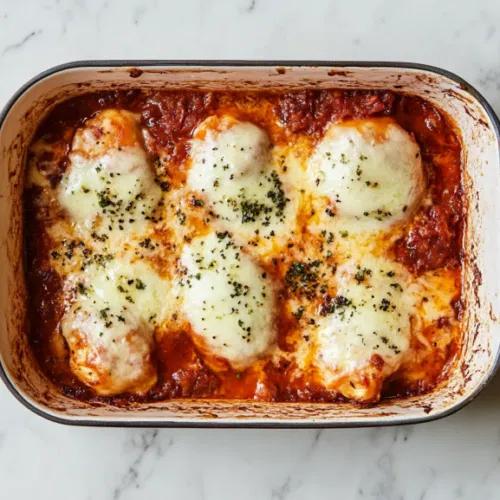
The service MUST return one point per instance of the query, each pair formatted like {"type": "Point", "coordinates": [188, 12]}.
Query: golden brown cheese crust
{"type": "Point", "coordinates": [428, 244]}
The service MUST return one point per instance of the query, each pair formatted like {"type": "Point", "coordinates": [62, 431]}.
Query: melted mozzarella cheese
{"type": "Point", "coordinates": [126, 286]}
{"type": "Point", "coordinates": [227, 145]}
{"type": "Point", "coordinates": [110, 325]}
{"type": "Point", "coordinates": [227, 299]}
{"type": "Point", "coordinates": [118, 362]}
{"type": "Point", "coordinates": [370, 170]}
{"type": "Point", "coordinates": [370, 316]}
{"type": "Point", "coordinates": [109, 187]}
{"type": "Point", "coordinates": [110, 129]}
{"type": "Point", "coordinates": [231, 167]}
{"type": "Point", "coordinates": [439, 289]}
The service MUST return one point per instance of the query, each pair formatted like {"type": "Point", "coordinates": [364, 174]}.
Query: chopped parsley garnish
{"type": "Point", "coordinates": [386, 305]}
{"type": "Point", "coordinates": [302, 278]}
{"type": "Point", "coordinates": [222, 235]}
{"type": "Point", "coordinates": [361, 274]}
{"type": "Point", "coordinates": [181, 216]}
{"type": "Point", "coordinates": [164, 186]}
{"type": "Point", "coordinates": [332, 304]}
{"type": "Point", "coordinates": [146, 243]}
{"type": "Point", "coordinates": [251, 210]}
{"type": "Point", "coordinates": [195, 202]}
{"type": "Point", "coordinates": [277, 195]}
{"type": "Point", "coordinates": [104, 199]}
{"type": "Point", "coordinates": [139, 284]}
{"type": "Point", "coordinates": [397, 286]}
{"type": "Point", "coordinates": [298, 313]}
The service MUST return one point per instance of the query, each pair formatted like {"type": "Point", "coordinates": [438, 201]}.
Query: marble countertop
{"type": "Point", "coordinates": [457, 457]}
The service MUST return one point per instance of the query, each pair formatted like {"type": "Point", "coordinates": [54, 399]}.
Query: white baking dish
{"type": "Point", "coordinates": [479, 129]}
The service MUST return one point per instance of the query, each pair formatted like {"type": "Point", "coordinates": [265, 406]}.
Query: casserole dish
{"type": "Point", "coordinates": [479, 130]}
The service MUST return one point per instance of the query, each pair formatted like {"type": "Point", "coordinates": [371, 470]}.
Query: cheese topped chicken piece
{"type": "Point", "coordinates": [109, 188]}
{"type": "Point", "coordinates": [110, 325]}
{"type": "Point", "coordinates": [231, 168]}
{"type": "Point", "coordinates": [370, 170]}
{"type": "Point", "coordinates": [228, 300]}
{"type": "Point", "coordinates": [364, 332]}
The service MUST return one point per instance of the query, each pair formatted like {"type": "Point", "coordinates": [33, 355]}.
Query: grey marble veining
{"type": "Point", "coordinates": [454, 458]}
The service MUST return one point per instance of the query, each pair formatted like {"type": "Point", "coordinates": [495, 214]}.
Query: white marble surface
{"type": "Point", "coordinates": [458, 457]}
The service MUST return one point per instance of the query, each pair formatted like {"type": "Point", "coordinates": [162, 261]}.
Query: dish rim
{"type": "Point", "coordinates": [133, 63]}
